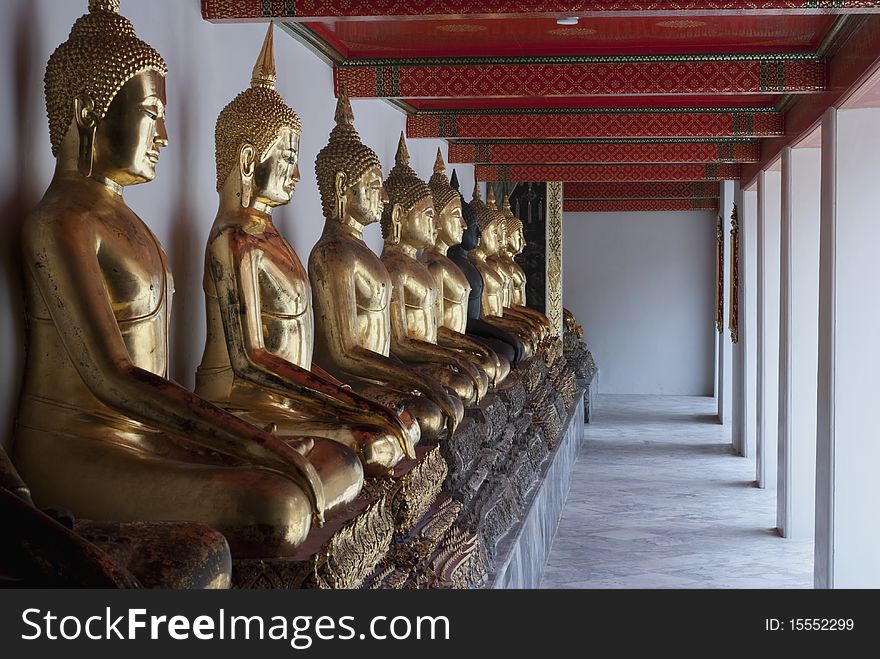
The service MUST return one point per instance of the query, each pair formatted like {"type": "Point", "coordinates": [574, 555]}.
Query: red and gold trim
{"type": "Point", "coordinates": [673, 190]}
{"type": "Point", "coordinates": [646, 123]}
{"type": "Point", "coordinates": [232, 10]}
{"type": "Point", "coordinates": [606, 173]}
{"type": "Point", "coordinates": [581, 76]}
{"type": "Point", "coordinates": [637, 205]}
{"type": "Point", "coordinates": [604, 152]}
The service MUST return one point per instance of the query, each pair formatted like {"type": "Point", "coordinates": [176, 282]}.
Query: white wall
{"type": "Point", "coordinates": [643, 286]}
{"type": "Point", "coordinates": [208, 65]}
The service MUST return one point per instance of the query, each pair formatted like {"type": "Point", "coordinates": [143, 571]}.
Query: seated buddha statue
{"type": "Point", "coordinates": [495, 286]}
{"type": "Point", "coordinates": [352, 288]}
{"type": "Point", "coordinates": [514, 243]}
{"type": "Point", "coordinates": [453, 289]}
{"type": "Point", "coordinates": [407, 227]}
{"type": "Point", "coordinates": [505, 344]}
{"type": "Point", "coordinates": [257, 362]}
{"type": "Point", "coordinates": [499, 261]}
{"type": "Point", "coordinates": [101, 430]}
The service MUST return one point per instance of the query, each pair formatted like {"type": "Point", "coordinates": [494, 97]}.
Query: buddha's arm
{"type": "Point", "coordinates": [63, 264]}
{"type": "Point", "coordinates": [412, 349]}
{"type": "Point", "coordinates": [538, 316]}
{"type": "Point", "coordinates": [351, 356]}
{"type": "Point", "coordinates": [458, 341]}
{"type": "Point", "coordinates": [237, 288]}
{"type": "Point", "coordinates": [534, 325]}
{"type": "Point", "coordinates": [483, 328]}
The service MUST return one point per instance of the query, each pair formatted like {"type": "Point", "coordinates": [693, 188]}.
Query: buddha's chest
{"type": "Point", "coordinates": [134, 269]}
{"type": "Point", "coordinates": [419, 292]}
{"type": "Point", "coordinates": [371, 282]}
{"type": "Point", "coordinates": [283, 284]}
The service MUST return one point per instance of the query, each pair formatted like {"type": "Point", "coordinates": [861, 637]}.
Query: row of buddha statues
{"type": "Point", "coordinates": [313, 380]}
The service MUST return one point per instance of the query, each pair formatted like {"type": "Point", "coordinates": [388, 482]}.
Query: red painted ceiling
{"type": "Point", "coordinates": [518, 36]}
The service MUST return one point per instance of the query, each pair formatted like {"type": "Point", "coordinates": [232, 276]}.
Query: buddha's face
{"type": "Point", "coordinates": [502, 235]}
{"type": "Point", "coordinates": [516, 241]}
{"type": "Point", "coordinates": [451, 225]}
{"type": "Point", "coordinates": [471, 236]}
{"type": "Point", "coordinates": [366, 198]}
{"type": "Point", "coordinates": [489, 238]}
{"type": "Point", "coordinates": [418, 225]}
{"type": "Point", "coordinates": [129, 137]}
{"type": "Point", "coordinates": [277, 172]}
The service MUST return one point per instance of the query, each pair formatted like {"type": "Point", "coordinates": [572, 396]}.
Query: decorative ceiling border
{"type": "Point", "coordinates": [230, 10]}
{"type": "Point", "coordinates": [606, 173]}
{"type": "Point", "coordinates": [639, 124]}
{"type": "Point", "coordinates": [637, 205]}
{"type": "Point", "coordinates": [607, 152]}
{"type": "Point", "coordinates": [643, 190]}
{"type": "Point", "coordinates": [806, 56]}
{"type": "Point", "coordinates": [450, 79]}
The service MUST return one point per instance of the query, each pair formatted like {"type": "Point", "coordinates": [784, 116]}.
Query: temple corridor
{"type": "Point", "coordinates": [659, 500]}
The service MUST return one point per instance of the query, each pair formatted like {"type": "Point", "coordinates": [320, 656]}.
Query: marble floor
{"type": "Point", "coordinates": [658, 500]}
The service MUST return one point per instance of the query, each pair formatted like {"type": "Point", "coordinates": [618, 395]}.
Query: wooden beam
{"type": "Point", "coordinates": [637, 205]}
{"type": "Point", "coordinates": [304, 10]}
{"type": "Point", "coordinates": [606, 173]}
{"type": "Point", "coordinates": [577, 76]}
{"type": "Point", "coordinates": [626, 123]}
{"type": "Point", "coordinates": [581, 151]}
{"type": "Point", "coordinates": [638, 190]}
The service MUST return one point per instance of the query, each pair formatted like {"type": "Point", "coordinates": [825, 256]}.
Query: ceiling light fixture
{"type": "Point", "coordinates": [570, 20]}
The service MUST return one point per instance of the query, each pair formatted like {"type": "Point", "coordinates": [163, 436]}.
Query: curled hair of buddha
{"type": "Point", "coordinates": [441, 188]}
{"type": "Point", "coordinates": [487, 213]}
{"type": "Point", "coordinates": [511, 221]}
{"type": "Point", "coordinates": [475, 206]}
{"type": "Point", "coordinates": [344, 153]}
{"type": "Point", "coordinates": [256, 116]}
{"type": "Point", "coordinates": [101, 54]}
{"type": "Point", "coordinates": [403, 186]}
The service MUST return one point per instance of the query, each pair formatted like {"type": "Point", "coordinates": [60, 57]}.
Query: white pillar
{"type": "Point", "coordinates": [740, 390]}
{"type": "Point", "coordinates": [798, 341]}
{"type": "Point", "coordinates": [848, 439]}
{"type": "Point", "coordinates": [767, 337]}
{"type": "Point", "coordinates": [725, 353]}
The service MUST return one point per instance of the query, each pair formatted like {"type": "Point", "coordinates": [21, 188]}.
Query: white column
{"type": "Point", "coordinates": [740, 402]}
{"type": "Point", "coordinates": [848, 439]}
{"type": "Point", "coordinates": [725, 353]}
{"type": "Point", "coordinates": [798, 341]}
{"type": "Point", "coordinates": [767, 337]}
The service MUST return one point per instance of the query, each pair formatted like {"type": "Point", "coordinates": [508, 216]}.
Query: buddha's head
{"type": "Point", "coordinates": [409, 217]}
{"type": "Point", "coordinates": [105, 98]}
{"type": "Point", "coordinates": [447, 205]}
{"type": "Point", "coordinates": [257, 140]}
{"type": "Point", "coordinates": [471, 237]}
{"type": "Point", "coordinates": [349, 173]}
{"type": "Point", "coordinates": [513, 228]}
{"type": "Point", "coordinates": [491, 225]}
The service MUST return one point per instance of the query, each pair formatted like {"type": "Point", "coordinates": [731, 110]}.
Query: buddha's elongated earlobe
{"type": "Point", "coordinates": [247, 158]}
{"type": "Point", "coordinates": [86, 126]}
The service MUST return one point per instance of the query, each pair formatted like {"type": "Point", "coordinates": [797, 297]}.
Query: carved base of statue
{"type": "Point", "coordinates": [340, 554]}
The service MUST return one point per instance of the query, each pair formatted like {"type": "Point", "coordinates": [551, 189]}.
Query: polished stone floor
{"type": "Point", "coordinates": [658, 500]}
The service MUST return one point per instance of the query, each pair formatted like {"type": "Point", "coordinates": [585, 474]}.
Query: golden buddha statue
{"type": "Point", "coordinates": [352, 288]}
{"type": "Point", "coordinates": [453, 288]}
{"type": "Point", "coordinates": [514, 243]}
{"type": "Point", "coordinates": [257, 362]}
{"type": "Point", "coordinates": [499, 261]}
{"type": "Point", "coordinates": [101, 430]}
{"type": "Point", "coordinates": [495, 286]}
{"type": "Point", "coordinates": [407, 227]}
